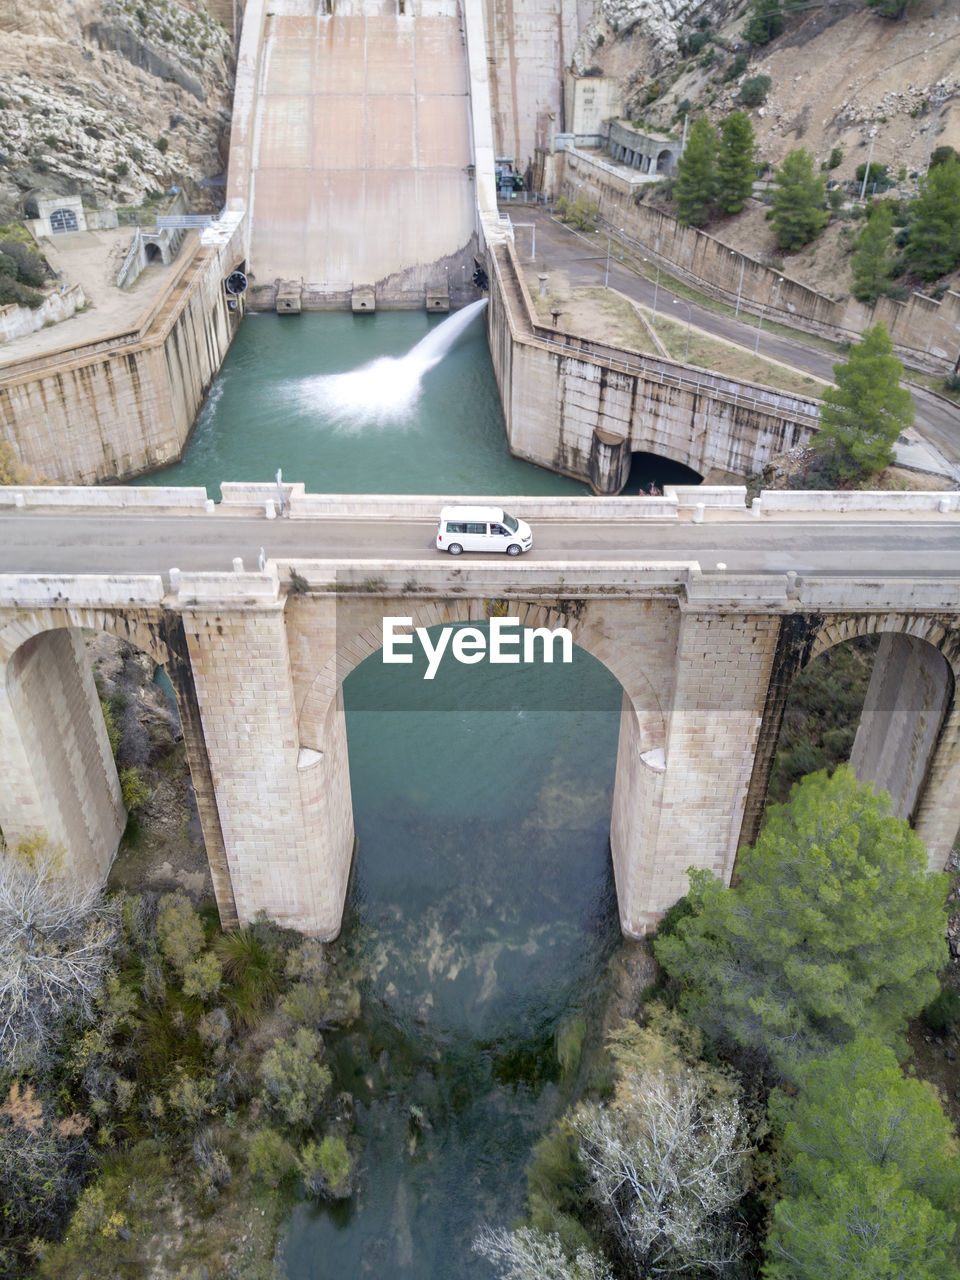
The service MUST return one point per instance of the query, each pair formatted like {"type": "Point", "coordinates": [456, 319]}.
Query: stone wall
{"type": "Point", "coordinates": [924, 331]}
{"type": "Point", "coordinates": [126, 403]}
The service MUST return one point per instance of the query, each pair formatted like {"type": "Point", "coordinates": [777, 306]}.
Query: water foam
{"type": "Point", "coordinates": [385, 390]}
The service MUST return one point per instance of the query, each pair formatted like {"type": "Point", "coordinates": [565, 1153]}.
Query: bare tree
{"type": "Point", "coordinates": [666, 1162]}
{"type": "Point", "coordinates": [56, 940]}
{"type": "Point", "coordinates": [525, 1254]}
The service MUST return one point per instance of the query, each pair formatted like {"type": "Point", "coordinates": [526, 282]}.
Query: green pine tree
{"type": "Point", "coordinates": [834, 928]}
{"type": "Point", "coordinates": [696, 184]}
{"type": "Point", "coordinates": [736, 162]}
{"type": "Point", "coordinates": [864, 413]}
{"type": "Point", "coordinates": [933, 244]}
{"type": "Point", "coordinates": [872, 261]}
{"type": "Point", "coordinates": [871, 1227]}
{"type": "Point", "coordinates": [798, 213]}
{"type": "Point", "coordinates": [871, 1173]}
{"type": "Point", "coordinates": [765, 22]}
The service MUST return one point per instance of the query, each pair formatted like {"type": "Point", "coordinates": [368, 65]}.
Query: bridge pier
{"type": "Point", "coordinates": [280, 805]}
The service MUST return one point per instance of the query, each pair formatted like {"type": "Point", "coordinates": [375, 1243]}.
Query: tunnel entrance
{"type": "Point", "coordinates": [648, 469]}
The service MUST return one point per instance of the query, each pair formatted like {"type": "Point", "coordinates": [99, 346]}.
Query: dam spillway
{"type": "Point", "coordinates": [352, 150]}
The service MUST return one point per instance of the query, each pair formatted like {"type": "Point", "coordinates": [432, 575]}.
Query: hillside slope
{"type": "Point", "coordinates": [111, 100]}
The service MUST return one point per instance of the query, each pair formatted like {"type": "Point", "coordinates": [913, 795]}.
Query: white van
{"type": "Point", "coordinates": [482, 529]}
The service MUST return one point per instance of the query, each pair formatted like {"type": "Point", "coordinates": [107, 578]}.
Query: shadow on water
{"type": "Point", "coordinates": [482, 914]}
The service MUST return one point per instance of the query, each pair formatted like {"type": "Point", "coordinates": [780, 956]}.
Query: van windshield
{"type": "Point", "coordinates": [510, 522]}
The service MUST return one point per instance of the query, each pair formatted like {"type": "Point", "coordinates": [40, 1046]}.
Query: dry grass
{"type": "Point", "coordinates": [603, 315]}
{"type": "Point", "coordinates": [734, 361]}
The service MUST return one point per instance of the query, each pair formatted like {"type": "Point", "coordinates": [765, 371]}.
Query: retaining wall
{"type": "Point", "coordinates": [923, 330]}
{"type": "Point", "coordinates": [126, 403]}
{"type": "Point", "coordinates": [581, 409]}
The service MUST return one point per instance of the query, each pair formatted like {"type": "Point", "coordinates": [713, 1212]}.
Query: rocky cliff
{"type": "Point", "coordinates": [112, 100]}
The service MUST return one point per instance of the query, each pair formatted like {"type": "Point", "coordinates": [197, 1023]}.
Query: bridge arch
{"type": "Point", "coordinates": [908, 739]}
{"type": "Point", "coordinates": [54, 748]}
{"type": "Point", "coordinates": [640, 765]}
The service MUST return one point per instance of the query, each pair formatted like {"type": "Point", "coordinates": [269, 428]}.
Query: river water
{"type": "Point", "coordinates": [481, 910]}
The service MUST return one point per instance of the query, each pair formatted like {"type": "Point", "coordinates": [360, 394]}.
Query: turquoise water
{"type": "Point", "coordinates": [482, 914]}
{"type": "Point", "coordinates": [267, 410]}
{"type": "Point", "coordinates": [481, 910]}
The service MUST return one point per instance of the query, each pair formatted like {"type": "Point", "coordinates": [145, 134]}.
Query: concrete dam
{"type": "Point", "coordinates": [352, 152]}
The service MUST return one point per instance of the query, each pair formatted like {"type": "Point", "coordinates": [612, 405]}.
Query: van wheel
{"type": "Point", "coordinates": [454, 548]}
{"type": "Point", "coordinates": [513, 549]}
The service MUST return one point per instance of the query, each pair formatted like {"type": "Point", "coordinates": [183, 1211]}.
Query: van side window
{"type": "Point", "coordinates": [498, 528]}
{"type": "Point", "coordinates": [456, 526]}
{"type": "Point", "coordinates": [473, 527]}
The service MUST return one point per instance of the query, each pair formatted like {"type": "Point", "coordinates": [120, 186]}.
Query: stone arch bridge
{"type": "Point", "coordinates": [258, 659]}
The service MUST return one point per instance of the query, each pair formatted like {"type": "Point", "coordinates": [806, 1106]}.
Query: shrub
{"type": "Point", "coordinates": [136, 793]}
{"type": "Point", "coordinates": [162, 145]}
{"type": "Point", "coordinates": [179, 930]}
{"type": "Point", "coordinates": [327, 1169]}
{"type": "Point", "coordinates": [56, 942]}
{"type": "Point", "coordinates": [31, 269]}
{"type": "Point", "coordinates": [836, 156]}
{"type": "Point", "coordinates": [202, 977]}
{"type": "Point", "coordinates": [737, 66]}
{"type": "Point", "coordinates": [294, 1082]}
{"type": "Point", "coordinates": [754, 90]}
{"type": "Point", "coordinates": [270, 1157]}
{"type": "Point", "coordinates": [12, 291]}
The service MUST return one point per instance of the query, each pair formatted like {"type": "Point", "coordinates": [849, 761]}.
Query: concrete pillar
{"type": "Point", "coordinates": [634, 823]}
{"type": "Point", "coordinates": [609, 461]}
{"type": "Point", "coordinates": [285, 855]}
{"type": "Point", "coordinates": [723, 669]}
{"type": "Point", "coordinates": [57, 774]}
{"type": "Point", "coordinates": [901, 719]}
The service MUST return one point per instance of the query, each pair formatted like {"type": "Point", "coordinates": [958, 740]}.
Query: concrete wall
{"type": "Point", "coordinates": [16, 321]}
{"type": "Point", "coordinates": [351, 151]}
{"type": "Point", "coordinates": [579, 408]}
{"type": "Point", "coordinates": [126, 403]}
{"type": "Point", "coordinates": [529, 46]}
{"type": "Point", "coordinates": [705, 663]}
{"type": "Point", "coordinates": [925, 331]}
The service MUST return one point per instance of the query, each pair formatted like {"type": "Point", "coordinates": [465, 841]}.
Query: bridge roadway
{"type": "Point", "coordinates": [925, 546]}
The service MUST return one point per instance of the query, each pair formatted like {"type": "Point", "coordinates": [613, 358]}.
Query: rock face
{"type": "Point", "coordinates": [112, 101]}
{"type": "Point", "coordinates": [652, 30]}
{"type": "Point", "coordinates": [841, 76]}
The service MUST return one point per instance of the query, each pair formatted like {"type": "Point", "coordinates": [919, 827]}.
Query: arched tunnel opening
{"type": "Point", "coordinates": [651, 469]}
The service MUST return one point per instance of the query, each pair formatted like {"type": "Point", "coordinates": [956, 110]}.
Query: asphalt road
{"type": "Point", "coordinates": [133, 544]}
{"type": "Point", "coordinates": [583, 259]}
